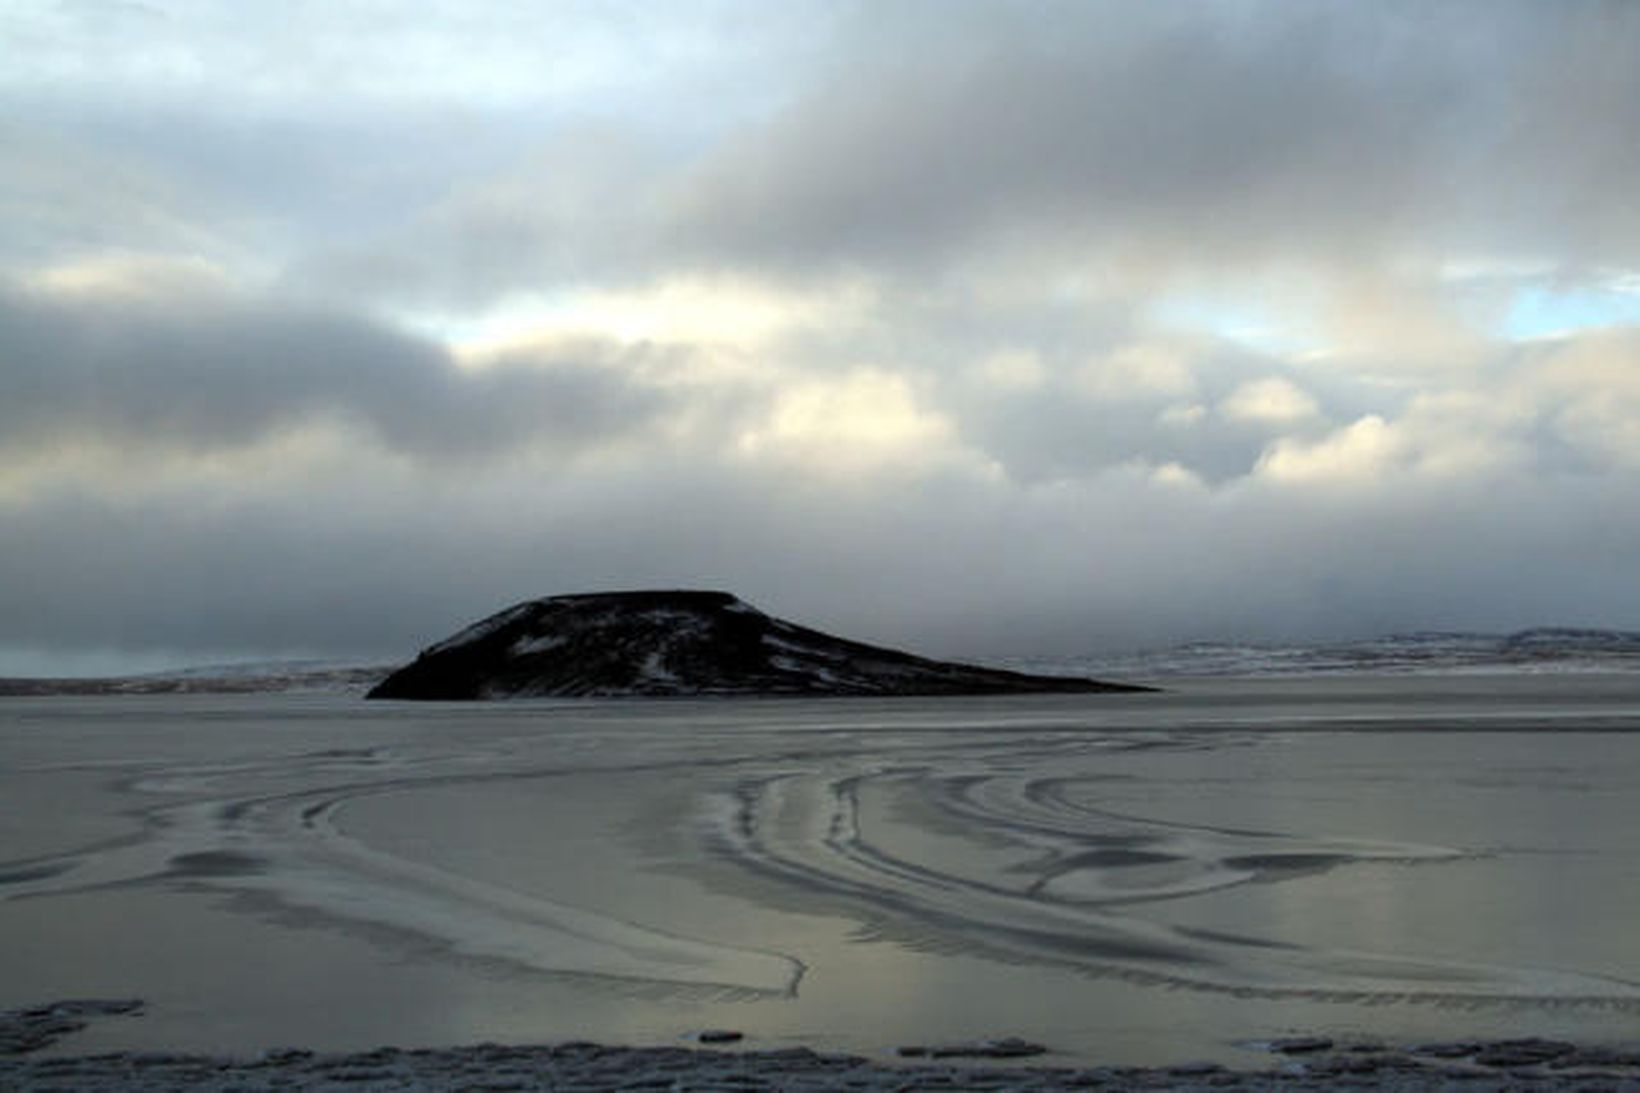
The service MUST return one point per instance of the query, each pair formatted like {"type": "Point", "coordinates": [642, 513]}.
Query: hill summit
{"type": "Point", "coordinates": [678, 642]}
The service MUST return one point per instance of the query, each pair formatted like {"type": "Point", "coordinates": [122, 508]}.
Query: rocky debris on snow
{"type": "Point", "coordinates": [1009, 1047]}
{"type": "Point", "coordinates": [719, 1036]}
{"type": "Point", "coordinates": [36, 1027]}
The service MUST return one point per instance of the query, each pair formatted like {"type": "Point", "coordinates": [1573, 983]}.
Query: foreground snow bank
{"type": "Point", "coordinates": [1302, 1063]}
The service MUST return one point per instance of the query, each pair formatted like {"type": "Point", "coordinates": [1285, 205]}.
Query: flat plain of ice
{"type": "Point", "coordinates": [1129, 879]}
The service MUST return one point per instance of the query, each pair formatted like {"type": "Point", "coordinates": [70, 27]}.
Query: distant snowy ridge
{"type": "Point", "coordinates": [680, 642]}
{"type": "Point", "coordinates": [1545, 650]}
{"type": "Point", "coordinates": [1548, 649]}
{"type": "Point", "coordinates": [245, 678]}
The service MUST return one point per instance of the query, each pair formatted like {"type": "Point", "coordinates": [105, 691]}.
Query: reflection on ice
{"type": "Point", "coordinates": [1053, 877]}
{"type": "Point", "coordinates": [288, 849]}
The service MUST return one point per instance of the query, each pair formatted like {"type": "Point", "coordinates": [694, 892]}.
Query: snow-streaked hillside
{"type": "Point", "coordinates": [679, 643]}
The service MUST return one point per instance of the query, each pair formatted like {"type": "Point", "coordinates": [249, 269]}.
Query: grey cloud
{"type": "Point", "coordinates": [1064, 424]}
{"type": "Point", "coordinates": [956, 154]}
{"type": "Point", "coordinates": [481, 54]}
{"type": "Point", "coordinates": [950, 565]}
{"type": "Point", "coordinates": [1066, 428]}
{"type": "Point", "coordinates": [920, 136]}
{"type": "Point", "coordinates": [252, 189]}
{"type": "Point", "coordinates": [1207, 130]}
{"type": "Point", "coordinates": [1054, 433]}
{"type": "Point", "coordinates": [570, 208]}
{"type": "Point", "coordinates": [444, 158]}
{"type": "Point", "coordinates": [382, 558]}
{"type": "Point", "coordinates": [209, 374]}
{"type": "Point", "coordinates": [60, 196]}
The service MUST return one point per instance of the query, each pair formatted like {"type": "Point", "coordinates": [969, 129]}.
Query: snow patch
{"type": "Point", "coordinates": [539, 643]}
{"type": "Point", "coordinates": [654, 669]}
{"type": "Point", "coordinates": [482, 629]}
{"type": "Point", "coordinates": [801, 667]}
{"type": "Point", "coordinates": [785, 645]}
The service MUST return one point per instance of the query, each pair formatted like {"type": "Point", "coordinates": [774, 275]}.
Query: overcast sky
{"type": "Point", "coordinates": [327, 326]}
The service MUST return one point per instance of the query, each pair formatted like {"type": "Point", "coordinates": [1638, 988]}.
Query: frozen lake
{"type": "Point", "coordinates": [1129, 879]}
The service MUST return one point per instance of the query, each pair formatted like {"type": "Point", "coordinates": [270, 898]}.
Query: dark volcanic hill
{"type": "Point", "coordinates": [680, 643]}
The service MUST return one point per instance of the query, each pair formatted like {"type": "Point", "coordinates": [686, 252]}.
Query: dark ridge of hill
{"type": "Point", "coordinates": [673, 643]}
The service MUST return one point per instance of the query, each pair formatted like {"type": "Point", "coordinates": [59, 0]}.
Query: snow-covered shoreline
{"type": "Point", "coordinates": [588, 1066]}
{"type": "Point", "coordinates": [1299, 1063]}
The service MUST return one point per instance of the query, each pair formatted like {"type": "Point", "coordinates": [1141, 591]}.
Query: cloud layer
{"type": "Point", "coordinates": [985, 329]}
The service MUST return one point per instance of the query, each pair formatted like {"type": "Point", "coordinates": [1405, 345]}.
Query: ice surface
{"type": "Point", "coordinates": [1383, 854]}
